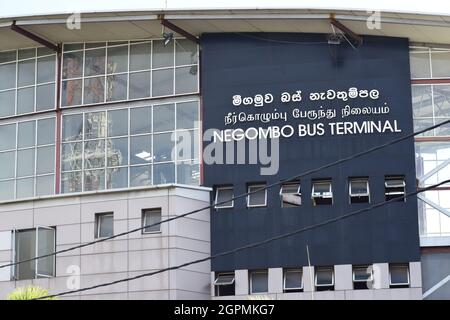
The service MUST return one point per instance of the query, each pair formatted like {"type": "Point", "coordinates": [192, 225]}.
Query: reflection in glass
{"type": "Point", "coordinates": [186, 52]}
{"type": "Point", "coordinates": [141, 149]}
{"type": "Point", "coordinates": [25, 134]}
{"type": "Point", "coordinates": [163, 55]}
{"type": "Point", "coordinates": [95, 125]}
{"type": "Point", "coordinates": [117, 152]}
{"type": "Point", "coordinates": [71, 182]}
{"type": "Point", "coordinates": [117, 59]}
{"type": "Point", "coordinates": [117, 178]}
{"type": "Point", "coordinates": [187, 115]}
{"type": "Point", "coordinates": [26, 73]}
{"type": "Point", "coordinates": [140, 56]}
{"type": "Point", "coordinates": [25, 100]}
{"type": "Point", "coordinates": [94, 90]}
{"type": "Point", "coordinates": [72, 156]}
{"type": "Point", "coordinates": [94, 180]}
{"type": "Point", "coordinates": [72, 64]}
{"type": "Point", "coordinates": [163, 146]}
{"type": "Point", "coordinates": [116, 87]}
{"type": "Point", "coordinates": [140, 176]}
{"type": "Point", "coordinates": [164, 173]}
{"type": "Point", "coordinates": [422, 101]}
{"type": "Point", "coordinates": [46, 69]}
{"type": "Point", "coordinates": [72, 128]}
{"type": "Point", "coordinates": [188, 173]}
{"type": "Point", "coordinates": [94, 154]}
{"type": "Point", "coordinates": [441, 99]}
{"type": "Point", "coordinates": [186, 80]}
{"type": "Point", "coordinates": [140, 120]}
{"type": "Point", "coordinates": [94, 62]}
{"type": "Point", "coordinates": [118, 123]}
{"type": "Point", "coordinates": [71, 92]}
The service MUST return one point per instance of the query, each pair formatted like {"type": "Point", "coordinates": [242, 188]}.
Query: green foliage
{"type": "Point", "coordinates": [29, 293]}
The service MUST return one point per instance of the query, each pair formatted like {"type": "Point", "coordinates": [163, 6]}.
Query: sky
{"type": "Point", "coordinates": [19, 8]}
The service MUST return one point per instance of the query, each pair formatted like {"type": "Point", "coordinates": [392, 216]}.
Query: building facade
{"type": "Point", "coordinates": [116, 125]}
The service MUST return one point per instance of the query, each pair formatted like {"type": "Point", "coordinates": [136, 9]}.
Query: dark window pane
{"type": "Point", "coordinates": [164, 118]}
{"type": "Point", "coordinates": [151, 218]}
{"type": "Point", "coordinates": [141, 120]}
{"type": "Point", "coordinates": [72, 128]}
{"type": "Point", "coordinates": [162, 55]}
{"type": "Point", "coordinates": [140, 176]}
{"type": "Point", "coordinates": [140, 56]}
{"type": "Point", "coordinates": [90, 45]}
{"type": "Point", "coordinates": [25, 100]}
{"type": "Point", "coordinates": [26, 134]}
{"type": "Point", "coordinates": [7, 76]}
{"type": "Point", "coordinates": [94, 90]}
{"type": "Point", "coordinates": [94, 63]}
{"type": "Point", "coordinates": [162, 82]}
{"type": "Point", "coordinates": [45, 97]}
{"type": "Point", "coordinates": [26, 73]}
{"type": "Point", "coordinates": [72, 65]}
{"type": "Point", "coordinates": [7, 56]}
{"type": "Point", "coordinates": [141, 149]}
{"type": "Point", "coordinates": [7, 103]}
{"type": "Point", "coordinates": [73, 46]}
{"type": "Point", "coordinates": [116, 87]}
{"type": "Point", "coordinates": [187, 115]}
{"type": "Point", "coordinates": [164, 173]}
{"type": "Point", "coordinates": [140, 85]}
{"type": "Point", "coordinates": [46, 69]}
{"type": "Point", "coordinates": [44, 51]}
{"type": "Point", "coordinates": [71, 92]}
{"type": "Point", "coordinates": [186, 80]}
{"type": "Point", "coordinates": [117, 59]}
{"type": "Point", "coordinates": [25, 248]}
{"type": "Point", "coordinates": [26, 53]}
{"type": "Point", "coordinates": [118, 123]}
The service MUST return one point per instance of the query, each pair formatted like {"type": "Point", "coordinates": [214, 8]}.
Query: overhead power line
{"type": "Point", "coordinates": [252, 245]}
{"type": "Point", "coordinates": [293, 178]}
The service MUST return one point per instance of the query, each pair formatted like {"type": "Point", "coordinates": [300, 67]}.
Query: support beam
{"type": "Point", "coordinates": [180, 31]}
{"type": "Point", "coordinates": [355, 37]}
{"type": "Point", "coordinates": [35, 37]}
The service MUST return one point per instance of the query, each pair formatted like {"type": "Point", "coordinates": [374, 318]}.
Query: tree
{"type": "Point", "coordinates": [29, 293]}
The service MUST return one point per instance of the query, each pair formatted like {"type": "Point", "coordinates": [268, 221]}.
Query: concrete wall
{"type": "Point", "coordinates": [343, 286]}
{"type": "Point", "coordinates": [179, 241]}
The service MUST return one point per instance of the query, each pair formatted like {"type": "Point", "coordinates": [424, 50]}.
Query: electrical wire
{"type": "Point", "coordinates": [252, 245]}
{"type": "Point", "coordinates": [212, 206]}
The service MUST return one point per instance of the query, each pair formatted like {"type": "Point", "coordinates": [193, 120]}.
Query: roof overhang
{"type": "Point", "coordinates": [141, 25]}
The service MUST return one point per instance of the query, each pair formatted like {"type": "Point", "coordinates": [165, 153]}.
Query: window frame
{"type": "Point", "coordinates": [217, 286]}
{"type": "Point", "coordinates": [324, 269]}
{"type": "Point", "coordinates": [327, 195]}
{"type": "Point", "coordinates": [223, 206]}
{"type": "Point", "coordinates": [395, 285]}
{"type": "Point", "coordinates": [388, 189]}
{"type": "Point", "coordinates": [360, 268]}
{"type": "Point", "coordinates": [258, 186]}
{"type": "Point", "coordinates": [297, 289]}
{"type": "Point", "coordinates": [144, 219]}
{"type": "Point", "coordinates": [298, 193]}
{"type": "Point", "coordinates": [361, 195]}
{"type": "Point", "coordinates": [252, 273]}
{"type": "Point", "coordinates": [98, 218]}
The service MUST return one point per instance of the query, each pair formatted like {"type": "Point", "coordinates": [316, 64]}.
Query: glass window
{"type": "Point", "coordinates": [149, 218]}
{"type": "Point", "coordinates": [164, 173]}
{"type": "Point", "coordinates": [324, 278]}
{"type": "Point", "coordinates": [7, 103]}
{"type": "Point", "coordinates": [6, 189]}
{"type": "Point", "coordinates": [188, 172]}
{"type": "Point", "coordinates": [95, 125]}
{"type": "Point", "coordinates": [117, 59]}
{"type": "Point", "coordinates": [440, 62]}
{"type": "Point", "coordinates": [94, 154]}
{"type": "Point", "coordinates": [45, 160]}
{"type": "Point", "coordinates": [94, 90]}
{"type": "Point", "coordinates": [163, 147]}
{"type": "Point", "coordinates": [162, 82]}
{"type": "Point", "coordinates": [25, 162]}
{"type": "Point", "coordinates": [94, 180]}
{"type": "Point", "coordinates": [141, 149]}
{"type": "Point", "coordinates": [71, 182]}
{"type": "Point", "coordinates": [164, 118]}
{"type": "Point", "coordinates": [422, 101]}
{"type": "Point", "coordinates": [290, 194]}
{"type": "Point", "coordinates": [140, 85]}
{"type": "Point", "coordinates": [420, 64]}
{"type": "Point", "coordinates": [394, 187]}
{"type": "Point", "coordinates": [359, 190]}
{"type": "Point", "coordinates": [322, 192]}
{"type": "Point", "coordinates": [72, 156]}
{"type": "Point", "coordinates": [27, 53]}
{"type": "Point", "coordinates": [72, 127]}
{"type": "Point", "coordinates": [117, 152]}
{"type": "Point", "coordinates": [116, 87]}
{"type": "Point", "coordinates": [163, 56]}
{"type": "Point", "coordinates": [104, 225]}
{"type": "Point", "coordinates": [362, 277]}
{"type": "Point", "coordinates": [71, 92]}
{"type": "Point", "coordinates": [441, 99]}
{"type": "Point", "coordinates": [293, 280]}
{"type": "Point", "coordinates": [45, 245]}
{"type": "Point", "coordinates": [224, 284]}
{"type": "Point", "coordinates": [7, 56]}
{"type": "Point", "coordinates": [399, 275]}
{"type": "Point", "coordinates": [7, 76]}
{"type": "Point", "coordinates": [7, 163]}
{"type": "Point", "coordinates": [46, 131]}
{"type": "Point", "coordinates": [72, 64]}
{"type": "Point", "coordinates": [187, 115]}
{"type": "Point", "coordinates": [26, 134]}
{"type": "Point", "coordinates": [46, 69]}
{"type": "Point", "coordinates": [140, 58]}
{"type": "Point", "coordinates": [140, 120]}
{"type": "Point", "coordinates": [224, 196]}
{"type": "Point", "coordinates": [117, 178]}
{"type": "Point", "coordinates": [118, 123]}
{"type": "Point", "coordinates": [140, 176]}
{"type": "Point", "coordinates": [25, 100]}
{"type": "Point", "coordinates": [259, 282]}
{"type": "Point", "coordinates": [186, 52]}
{"type": "Point", "coordinates": [45, 185]}
{"type": "Point", "coordinates": [25, 188]}
{"type": "Point", "coordinates": [187, 145]}
{"type": "Point", "coordinates": [45, 97]}
{"type": "Point", "coordinates": [94, 62]}
{"type": "Point", "coordinates": [257, 196]}
{"type": "Point", "coordinates": [186, 80]}
{"type": "Point", "coordinates": [8, 134]}
{"type": "Point", "coordinates": [25, 76]}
